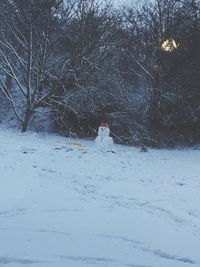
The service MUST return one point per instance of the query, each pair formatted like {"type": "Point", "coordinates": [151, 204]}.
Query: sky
{"type": "Point", "coordinates": [129, 2]}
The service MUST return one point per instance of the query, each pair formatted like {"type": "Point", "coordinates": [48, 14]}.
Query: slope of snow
{"type": "Point", "coordinates": [65, 205]}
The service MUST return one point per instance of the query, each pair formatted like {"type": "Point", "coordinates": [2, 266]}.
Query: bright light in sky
{"type": "Point", "coordinates": [169, 45]}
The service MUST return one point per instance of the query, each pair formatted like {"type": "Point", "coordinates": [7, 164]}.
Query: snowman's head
{"type": "Point", "coordinates": [104, 131]}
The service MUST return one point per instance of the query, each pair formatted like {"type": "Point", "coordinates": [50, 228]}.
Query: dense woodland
{"type": "Point", "coordinates": [136, 66]}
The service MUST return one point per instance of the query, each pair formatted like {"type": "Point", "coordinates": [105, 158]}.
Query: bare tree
{"type": "Point", "coordinates": [27, 54]}
{"type": "Point", "coordinates": [90, 42]}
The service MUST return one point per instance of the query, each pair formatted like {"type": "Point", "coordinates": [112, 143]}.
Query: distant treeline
{"type": "Point", "coordinates": [137, 67]}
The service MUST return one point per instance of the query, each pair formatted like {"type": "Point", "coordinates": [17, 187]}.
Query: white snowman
{"type": "Point", "coordinates": [103, 139]}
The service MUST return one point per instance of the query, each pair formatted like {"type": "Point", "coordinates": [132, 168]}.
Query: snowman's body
{"type": "Point", "coordinates": [103, 138]}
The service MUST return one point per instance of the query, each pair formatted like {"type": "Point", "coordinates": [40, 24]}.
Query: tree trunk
{"type": "Point", "coordinates": [27, 117]}
{"type": "Point", "coordinates": [155, 99]}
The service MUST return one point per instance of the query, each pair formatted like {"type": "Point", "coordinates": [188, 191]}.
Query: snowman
{"type": "Point", "coordinates": [103, 139]}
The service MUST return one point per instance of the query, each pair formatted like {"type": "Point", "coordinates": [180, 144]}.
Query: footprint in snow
{"type": "Point", "coordinates": [28, 151]}
{"type": "Point", "coordinates": [48, 170]}
{"type": "Point", "coordinates": [180, 184]}
{"type": "Point", "coordinates": [12, 213]}
{"type": "Point", "coordinates": [9, 260]}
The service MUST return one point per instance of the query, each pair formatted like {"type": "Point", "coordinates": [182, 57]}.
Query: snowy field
{"type": "Point", "coordinates": [62, 205]}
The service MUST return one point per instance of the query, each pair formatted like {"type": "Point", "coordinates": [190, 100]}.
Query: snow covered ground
{"type": "Point", "coordinates": [62, 205]}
